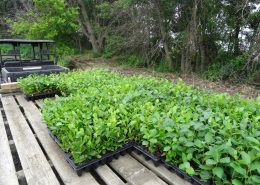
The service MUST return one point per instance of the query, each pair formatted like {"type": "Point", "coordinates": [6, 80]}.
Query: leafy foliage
{"type": "Point", "coordinates": [35, 84]}
{"type": "Point", "coordinates": [228, 68]}
{"type": "Point", "coordinates": [213, 136]}
{"type": "Point", "coordinates": [48, 20]}
{"type": "Point", "coordinates": [55, 17]}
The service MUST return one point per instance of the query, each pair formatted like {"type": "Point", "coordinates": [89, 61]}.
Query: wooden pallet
{"type": "Point", "coordinates": [10, 88]}
{"type": "Point", "coordinates": [28, 155]}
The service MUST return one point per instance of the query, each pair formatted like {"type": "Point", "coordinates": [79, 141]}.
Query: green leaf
{"type": "Point", "coordinates": [190, 170]}
{"type": "Point", "coordinates": [256, 166]}
{"type": "Point", "coordinates": [184, 165]}
{"type": "Point", "coordinates": [153, 141]}
{"type": "Point", "coordinates": [225, 160]}
{"type": "Point", "coordinates": [232, 152]}
{"type": "Point", "coordinates": [236, 182]}
{"type": "Point", "coordinates": [218, 172]}
{"type": "Point", "coordinates": [255, 179]}
{"type": "Point", "coordinates": [145, 143]}
{"type": "Point", "coordinates": [246, 157]}
{"type": "Point", "coordinates": [166, 149]}
{"type": "Point", "coordinates": [210, 162]}
{"type": "Point", "coordinates": [205, 175]}
{"type": "Point", "coordinates": [253, 140]}
{"type": "Point", "coordinates": [209, 137]}
{"type": "Point", "coordinates": [238, 169]}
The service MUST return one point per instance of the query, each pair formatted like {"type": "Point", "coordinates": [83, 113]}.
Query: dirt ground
{"type": "Point", "coordinates": [86, 62]}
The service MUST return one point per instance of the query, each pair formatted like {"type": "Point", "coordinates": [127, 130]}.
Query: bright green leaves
{"type": "Point", "coordinates": [245, 158]}
{"type": "Point", "coordinates": [225, 160]}
{"type": "Point", "coordinates": [187, 167]}
{"type": "Point", "coordinates": [166, 149]}
{"type": "Point", "coordinates": [35, 84]}
{"type": "Point", "coordinates": [210, 135]}
{"type": "Point", "coordinates": [237, 168]}
{"type": "Point", "coordinates": [254, 179]}
{"type": "Point", "coordinates": [256, 166]}
{"type": "Point", "coordinates": [51, 19]}
{"type": "Point", "coordinates": [211, 162]}
{"type": "Point", "coordinates": [236, 182]}
{"type": "Point", "coordinates": [209, 138]}
{"type": "Point", "coordinates": [218, 171]}
{"type": "Point", "coordinates": [253, 140]}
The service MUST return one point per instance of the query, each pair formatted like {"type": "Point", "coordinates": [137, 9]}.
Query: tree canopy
{"type": "Point", "coordinates": [216, 37]}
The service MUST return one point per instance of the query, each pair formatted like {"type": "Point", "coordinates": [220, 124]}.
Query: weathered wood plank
{"type": "Point", "coordinates": [66, 173]}
{"type": "Point", "coordinates": [109, 177]}
{"type": "Point", "coordinates": [35, 166]}
{"type": "Point", "coordinates": [134, 172]}
{"type": "Point", "coordinates": [8, 92]}
{"type": "Point", "coordinates": [168, 176]}
{"type": "Point", "coordinates": [7, 169]}
{"type": "Point", "coordinates": [10, 86]}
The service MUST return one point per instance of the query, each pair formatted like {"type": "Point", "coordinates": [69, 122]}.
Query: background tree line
{"type": "Point", "coordinates": [218, 38]}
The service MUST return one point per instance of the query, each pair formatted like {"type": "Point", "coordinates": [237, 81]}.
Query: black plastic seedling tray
{"type": "Point", "coordinates": [131, 146]}
{"type": "Point", "coordinates": [94, 163]}
{"type": "Point", "coordinates": [148, 155]}
{"type": "Point", "coordinates": [41, 95]}
{"type": "Point", "coordinates": [183, 175]}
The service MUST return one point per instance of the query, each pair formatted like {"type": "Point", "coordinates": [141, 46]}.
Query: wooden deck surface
{"type": "Point", "coordinates": [28, 155]}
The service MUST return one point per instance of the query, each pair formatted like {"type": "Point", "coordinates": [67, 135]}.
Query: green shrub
{"type": "Point", "coordinates": [213, 136]}
{"type": "Point", "coordinates": [163, 67]}
{"type": "Point", "coordinates": [135, 60]}
{"type": "Point", "coordinates": [232, 69]}
{"type": "Point", "coordinates": [131, 60]}
{"type": "Point", "coordinates": [113, 46]}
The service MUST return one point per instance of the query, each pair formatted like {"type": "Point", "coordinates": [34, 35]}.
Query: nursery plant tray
{"type": "Point", "coordinates": [93, 163]}
{"type": "Point", "coordinates": [41, 95]}
{"type": "Point", "coordinates": [131, 146]}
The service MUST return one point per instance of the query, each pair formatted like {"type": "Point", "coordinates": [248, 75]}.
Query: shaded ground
{"type": "Point", "coordinates": [86, 62]}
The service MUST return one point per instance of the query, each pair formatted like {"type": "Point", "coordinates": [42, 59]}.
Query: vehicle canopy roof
{"type": "Point", "coordinates": [18, 41]}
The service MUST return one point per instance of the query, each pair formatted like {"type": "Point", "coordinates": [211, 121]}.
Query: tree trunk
{"type": "Point", "coordinates": [163, 31]}
{"type": "Point", "coordinates": [236, 38]}
{"type": "Point", "coordinates": [202, 54]}
{"type": "Point", "coordinates": [189, 52]}
{"type": "Point", "coordinates": [183, 60]}
{"type": "Point", "coordinates": [87, 28]}
{"type": "Point", "coordinates": [202, 48]}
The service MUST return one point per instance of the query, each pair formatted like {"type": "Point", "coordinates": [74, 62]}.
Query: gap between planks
{"type": "Point", "coordinates": [134, 172]}
{"type": "Point", "coordinates": [7, 169]}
